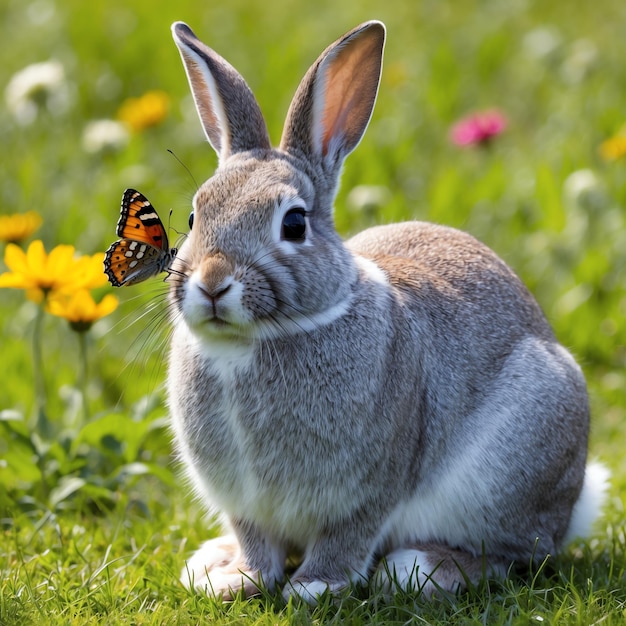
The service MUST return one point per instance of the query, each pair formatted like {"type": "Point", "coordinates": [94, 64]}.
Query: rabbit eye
{"type": "Point", "coordinates": [191, 220]}
{"type": "Point", "coordinates": [294, 225]}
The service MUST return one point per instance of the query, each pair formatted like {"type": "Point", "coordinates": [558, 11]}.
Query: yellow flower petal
{"type": "Point", "coordinates": [36, 255]}
{"type": "Point", "coordinates": [15, 258]}
{"type": "Point", "coordinates": [95, 275]}
{"type": "Point", "coordinates": [60, 261]}
{"type": "Point", "coordinates": [88, 272]}
{"type": "Point", "coordinates": [63, 305]}
{"type": "Point", "coordinates": [80, 307]}
{"type": "Point", "coordinates": [613, 148]}
{"type": "Point", "coordinates": [108, 305]}
{"type": "Point", "coordinates": [56, 274]}
{"type": "Point", "coordinates": [56, 306]}
{"type": "Point", "coordinates": [145, 111]}
{"type": "Point", "coordinates": [19, 226]}
{"type": "Point", "coordinates": [14, 280]}
{"type": "Point", "coordinates": [17, 261]}
{"type": "Point", "coordinates": [36, 270]}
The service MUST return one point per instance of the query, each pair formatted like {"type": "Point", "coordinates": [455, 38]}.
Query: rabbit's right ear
{"type": "Point", "coordinates": [334, 102]}
{"type": "Point", "coordinates": [230, 115]}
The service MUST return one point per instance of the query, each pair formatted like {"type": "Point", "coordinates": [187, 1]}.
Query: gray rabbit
{"type": "Point", "coordinates": [394, 408]}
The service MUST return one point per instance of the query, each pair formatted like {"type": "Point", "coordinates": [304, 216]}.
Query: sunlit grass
{"type": "Point", "coordinates": [95, 521]}
{"type": "Point", "coordinates": [125, 570]}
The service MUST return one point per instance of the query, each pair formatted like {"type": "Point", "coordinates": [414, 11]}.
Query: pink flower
{"type": "Point", "coordinates": [478, 128]}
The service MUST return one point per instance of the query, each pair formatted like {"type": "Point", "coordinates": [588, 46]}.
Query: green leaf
{"type": "Point", "coordinates": [165, 475]}
{"type": "Point", "coordinates": [15, 423]}
{"type": "Point", "coordinates": [18, 466]}
{"type": "Point", "coordinates": [115, 433]}
{"type": "Point", "coordinates": [68, 485]}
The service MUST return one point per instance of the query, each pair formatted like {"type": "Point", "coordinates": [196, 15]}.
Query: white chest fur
{"type": "Point", "coordinates": [247, 454]}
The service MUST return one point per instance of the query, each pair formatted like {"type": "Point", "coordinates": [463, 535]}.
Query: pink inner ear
{"type": "Point", "coordinates": [351, 81]}
{"type": "Point", "coordinates": [335, 114]}
{"type": "Point", "coordinates": [203, 98]}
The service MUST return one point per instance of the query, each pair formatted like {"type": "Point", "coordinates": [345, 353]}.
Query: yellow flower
{"type": "Point", "coordinates": [89, 272]}
{"type": "Point", "coordinates": [59, 272]}
{"type": "Point", "coordinates": [145, 111]}
{"type": "Point", "coordinates": [613, 148]}
{"type": "Point", "coordinates": [81, 310]}
{"type": "Point", "coordinates": [19, 226]}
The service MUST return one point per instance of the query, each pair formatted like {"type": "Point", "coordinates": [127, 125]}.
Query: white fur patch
{"type": "Point", "coordinates": [310, 592]}
{"type": "Point", "coordinates": [405, 569]}
{"type": "Point", "coordinates": [220, 581]}
{"type": "Point", "coordinates": [213, 553]}
{"type": "Point", "coordinates": [222, 351]}
{"type": "Point", "coordinates": [298, 324]}
{"type": "Point", "coordinates": [443, 509]}
{"type": "Point", "coordinates": [590, 502]}
{"type": "Point", "coordinates": [322, 318]}
{"type": "Point", "coordinates": [217, 567]}
{"type": "Point", "coordinates": [371, 270]}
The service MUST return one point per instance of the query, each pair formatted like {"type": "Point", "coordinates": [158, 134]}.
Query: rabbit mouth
{"type": "Point", "coordinates": [214, 328]}
{"type": "Point", "coordinates": [212, 320]}
{"type": "Point", "coordinates": [217, 322]}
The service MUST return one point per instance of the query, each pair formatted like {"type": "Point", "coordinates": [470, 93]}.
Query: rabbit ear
{"type": "Point", "coordinates": [230, 115]}
{"type": "Point", "coordinates": [334, 102]}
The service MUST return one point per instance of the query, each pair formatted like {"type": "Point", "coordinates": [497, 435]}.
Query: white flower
{"type": "Point", "coordinates": [583, 56]}
{"type": "Point", "coordinates": [36, 86]}
{"type": "Point", "coordinates": [583, 189]}
{"type": "Point", "coordinates": [368, 198]}
{"type": "Point", "coordinates": [104, 135]}
{"type": "Point", "coordinates": [542, 42]}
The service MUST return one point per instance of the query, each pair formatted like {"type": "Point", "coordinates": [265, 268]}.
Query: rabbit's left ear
{"type": "Point", "coordinates": [228, 110]}
{"type": "Point", "coordinates": [334, 102]}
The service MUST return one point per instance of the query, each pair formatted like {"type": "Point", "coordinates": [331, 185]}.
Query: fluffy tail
{"type": "Point", "coordinates": [590, 502]}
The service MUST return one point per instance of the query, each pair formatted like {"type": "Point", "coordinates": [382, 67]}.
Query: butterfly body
{"type": "Point", "coordinates": [143, 250]}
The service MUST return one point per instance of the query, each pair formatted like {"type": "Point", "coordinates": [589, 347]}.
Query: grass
{"type": "Point", "coordinates": [94, 518]}
{"type": "Point", "coordinates": [124, 570]}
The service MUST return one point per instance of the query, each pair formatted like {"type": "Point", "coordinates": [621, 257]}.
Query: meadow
{"type": "Point", "coordinates": [95, 518]}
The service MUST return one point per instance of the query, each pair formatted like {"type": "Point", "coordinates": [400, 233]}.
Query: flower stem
{"type": "Point", "coordinates": [38, 374]}
{"type": "Point", "coordinates": [83, 376]}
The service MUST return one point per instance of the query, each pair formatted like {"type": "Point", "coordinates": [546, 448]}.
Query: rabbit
{"type": "Point", "coordinates": [393, 410]}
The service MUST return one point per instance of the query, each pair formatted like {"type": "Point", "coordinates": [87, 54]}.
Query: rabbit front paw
{"type": "Point", "coordinates": [213, 554]}
{"type": "Point", "coordinates": [227, 582]}
{"type": "Point", "coordinates": [310, 591]}
{"type": "Point", "coordinates": [219, 569]}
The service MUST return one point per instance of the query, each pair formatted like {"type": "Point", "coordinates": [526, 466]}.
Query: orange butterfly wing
{"type": "Point", "coordinates": [128, 262]}
{"type": "Point", "coordinates": [144, 249]}
{"type": "Point", "coordinates": [140, 222]}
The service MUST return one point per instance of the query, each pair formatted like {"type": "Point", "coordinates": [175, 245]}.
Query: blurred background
{"type": "Point", "coordinates": [504, 118]}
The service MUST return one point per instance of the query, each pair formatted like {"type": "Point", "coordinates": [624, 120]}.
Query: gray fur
{"type": "Point", "coordinates": [397, 394]}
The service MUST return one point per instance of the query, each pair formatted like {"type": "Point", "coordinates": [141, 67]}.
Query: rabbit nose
{"type": "Point", "coordinates": [216, 293]}
{"type": "Point", "coordinates": [216, 276]}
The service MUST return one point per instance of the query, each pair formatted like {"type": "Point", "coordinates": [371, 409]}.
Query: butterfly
{"type": "Point", "coordinates": [144, 250]}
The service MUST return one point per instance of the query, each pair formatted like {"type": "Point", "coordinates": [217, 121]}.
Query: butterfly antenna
{"type": "Point", "coordinates": [170, 227]}
{"type": "Point", "coordinates": [195, 182]}
{"type": "Point", "coordinates": [178, 232]}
